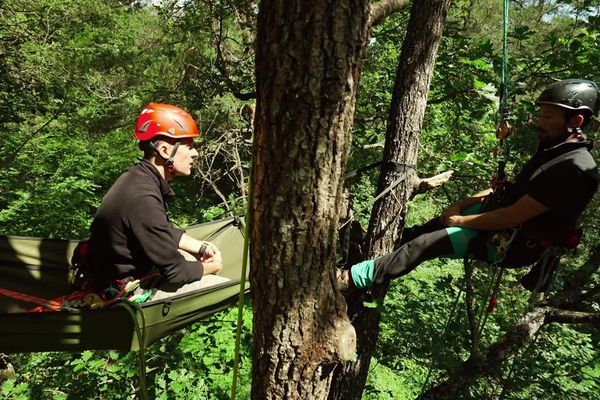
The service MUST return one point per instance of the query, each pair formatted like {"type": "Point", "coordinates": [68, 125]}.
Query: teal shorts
{"type": "Point", "coordinates": [461, 238]}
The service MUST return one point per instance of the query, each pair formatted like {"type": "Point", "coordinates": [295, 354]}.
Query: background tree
{"type": "Point", "coordinates": [409, 97]}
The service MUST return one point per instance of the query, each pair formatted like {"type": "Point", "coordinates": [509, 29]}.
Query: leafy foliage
{"type": "Point", "coordinates": [74, 75]}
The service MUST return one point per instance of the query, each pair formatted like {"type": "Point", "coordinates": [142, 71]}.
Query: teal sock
{"type": "Point", "coordinates": [362, 274]}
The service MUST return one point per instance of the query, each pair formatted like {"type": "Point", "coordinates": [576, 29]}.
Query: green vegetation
{"type": "Point", "coordinates": [74, 75]}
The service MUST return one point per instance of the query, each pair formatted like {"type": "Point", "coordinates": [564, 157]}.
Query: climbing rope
{"type": "Point", "coordinates": [135, 309]}
{"type": "Point", "coordinates": [240, 317]}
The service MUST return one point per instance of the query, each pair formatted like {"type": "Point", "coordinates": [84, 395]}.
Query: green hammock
{"type": "Point", "coordinates": [40, 267]}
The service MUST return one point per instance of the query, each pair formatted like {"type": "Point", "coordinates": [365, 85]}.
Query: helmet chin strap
{"type": "Point", "coordinates": [170, 161]}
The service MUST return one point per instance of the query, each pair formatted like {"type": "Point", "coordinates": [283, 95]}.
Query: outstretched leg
{"type": "Point", "coordinates": [453, 242]}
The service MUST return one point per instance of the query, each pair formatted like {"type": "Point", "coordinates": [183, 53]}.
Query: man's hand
{"type": "Point", "coordinates": [450, 213]}
{"type": "Point", "coordinates": [211, 258]}
{"type": "Point", "coordinates": [211, 268]}
{"type": "Point", "coordinates": [454, 220]}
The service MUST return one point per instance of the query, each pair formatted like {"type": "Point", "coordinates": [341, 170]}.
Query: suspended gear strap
{"type": "Point", "coordinates": [388, 165]}
{"type": "Point", "coordinates": [444, 334]}
{"type": "Point", "coordinates": [240, 318]}
{"type": "Point", "coordinates": [504, 129]}
{"type": "Point", "coordinates": [406, 169]}
{"type": "Point", "coordinates": [488, 308]}
{"type": "Point", "coordinates": [140, 330]}
{"type": "Point", "coordinates": [548, 266]}
{"type": "Point", "coordinates": [47, 304]}
{"type": "Point", "coordinates": [120, 290]}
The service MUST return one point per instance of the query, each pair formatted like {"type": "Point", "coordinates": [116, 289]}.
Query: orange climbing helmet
{"type": "Point", "coordinates": [165, 120]}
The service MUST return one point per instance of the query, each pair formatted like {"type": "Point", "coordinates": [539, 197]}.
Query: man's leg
{"type": "Point", "coordinates": [450, 242]}
{"type": "Point", "coordinates": [418, 244]}
{"type": "Point", "coordinates": [167, 289]}
{"type": "Point", "coordinates": [415, 231]}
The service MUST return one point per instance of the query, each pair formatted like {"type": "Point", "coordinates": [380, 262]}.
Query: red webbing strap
{"type": "Point", "coordinates": [58, 304]}
{"type": "Point", "coordinates": [52, 305]}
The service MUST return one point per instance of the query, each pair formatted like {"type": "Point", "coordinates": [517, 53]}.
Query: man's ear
{"type": "Point", "coordinates": [576, 121]}
{"type": "Point", "coordinates": [163, 149]}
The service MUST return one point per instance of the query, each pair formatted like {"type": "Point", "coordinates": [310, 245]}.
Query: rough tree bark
{"type": "Point", "coordinates": [6, 368]}
{"type": "Point", "coordinates": [409, 99]}
{"type": "Point", "coordinates": [307, 67]}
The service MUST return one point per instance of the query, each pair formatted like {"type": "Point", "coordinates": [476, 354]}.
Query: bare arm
{"type": "Point", "coordinates": [524, 209]}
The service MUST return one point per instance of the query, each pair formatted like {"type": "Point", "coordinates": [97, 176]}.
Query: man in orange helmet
{"type": "Point", "coordinates": [131, 235]}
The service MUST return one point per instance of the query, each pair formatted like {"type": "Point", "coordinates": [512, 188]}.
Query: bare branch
{"type": "Point", "coordinates": [426, 184]}
{"type": "Point", "coordinates": [383, 9]}
{"type": "Point", "coordinates": [572, 317]}
{"type": "Point", "coordinates": [477, 366]}
{"type": "Point", "coordinates": [220, 64]}
{"type": "Point", "coordinates": [372, 146]}
{"type": "Point", "coordinates": [513, 340]}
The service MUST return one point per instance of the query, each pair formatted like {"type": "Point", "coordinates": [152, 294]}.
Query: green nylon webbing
{"type": "Point", "coordinates": [240, 319]}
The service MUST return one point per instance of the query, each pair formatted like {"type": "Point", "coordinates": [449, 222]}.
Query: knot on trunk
{"type": "Point", "coordinates": [344, 340]}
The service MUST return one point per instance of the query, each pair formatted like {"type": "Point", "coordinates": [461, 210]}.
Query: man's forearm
{"type": "Point", "coordinates": [475, 199]}
{"type": "Point", "coordinates": [190, 244]}
{"type": "Point", "coordinates": [500, 218]}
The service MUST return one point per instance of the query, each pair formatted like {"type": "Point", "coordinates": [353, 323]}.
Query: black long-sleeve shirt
{"type": "Point", "coordinates": [131, 234]}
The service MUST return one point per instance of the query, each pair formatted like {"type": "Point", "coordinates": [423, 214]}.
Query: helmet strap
{"type": "Point", "coordinates": [170, 161]}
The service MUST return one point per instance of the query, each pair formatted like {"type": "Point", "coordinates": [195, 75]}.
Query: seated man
{"type": "Point", "coordinates": [131, 235]}
{"type": "Point", "coordinates": [540, 208]}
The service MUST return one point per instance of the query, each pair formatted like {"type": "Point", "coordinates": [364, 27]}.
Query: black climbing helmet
{"type": "Point", "coordinates": [573, 95]}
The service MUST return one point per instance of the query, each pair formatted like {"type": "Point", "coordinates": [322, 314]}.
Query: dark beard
{"type": "Point", "coordinates": [548, 143]}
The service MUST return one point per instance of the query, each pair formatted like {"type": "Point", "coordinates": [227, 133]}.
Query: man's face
{"type": "Point", "coordinates": [185, 157]}
{"type": "Point", "coordinates": [552, 124]}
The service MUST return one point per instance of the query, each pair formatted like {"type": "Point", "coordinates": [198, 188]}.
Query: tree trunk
{"type": "Point", "coordinates": [6, 368]}
{"type": "Point", "coordinates": [409, 99]}
{"type": "Point", "coordinates": [307, 68]}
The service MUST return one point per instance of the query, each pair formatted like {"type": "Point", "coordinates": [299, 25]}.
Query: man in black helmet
{"type": "Point", "coordinates": [538, 209]}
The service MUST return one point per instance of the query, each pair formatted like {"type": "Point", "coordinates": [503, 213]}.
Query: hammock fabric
{"type": "Point", "coordinates": [39, 270]}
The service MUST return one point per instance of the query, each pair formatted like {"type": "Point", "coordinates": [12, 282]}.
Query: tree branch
{"type": "Point", "coordinates": [477, 366]}
{"type": "Point", "coordinates": [513, 340]}
{"type": "Point", "coordinates": [383, 9]}
{"type": "Point", "coordinates": [572, 317]}
{"type": "Point", "coordinates": [426, 184]}
{"type": "Point", "coordinates": [220, 65]}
